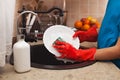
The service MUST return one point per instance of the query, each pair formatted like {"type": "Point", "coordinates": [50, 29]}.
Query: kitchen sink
{"type": "Point", "coordinates": [42, 58]}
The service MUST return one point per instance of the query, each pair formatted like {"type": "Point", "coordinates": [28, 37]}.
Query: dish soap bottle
{"type": "Point", "coordinates": [21, 53]}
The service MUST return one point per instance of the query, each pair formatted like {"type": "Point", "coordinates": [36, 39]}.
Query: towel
{"type": "Point", "coordinates": [6, 29]}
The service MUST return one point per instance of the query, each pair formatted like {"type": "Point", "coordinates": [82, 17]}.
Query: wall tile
{"type": "Point", "coordinates": [83, 2]}
{"type": "Point", "coordinates": [84, 9]}
{"type": "Point", "coordinates": [78, 9]}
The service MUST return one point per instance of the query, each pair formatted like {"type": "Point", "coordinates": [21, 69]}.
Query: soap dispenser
{"type": "Point", "coordinates": [21, 53]}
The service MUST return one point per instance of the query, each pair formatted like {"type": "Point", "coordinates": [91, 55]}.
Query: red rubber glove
{"type": "Point", "coordinates": [90, 35]}
{"type": "Point", "coordinates": [69, 52]}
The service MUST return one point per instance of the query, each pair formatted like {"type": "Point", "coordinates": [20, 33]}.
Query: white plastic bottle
{"type": "Point", "coordinates": [21, 53]}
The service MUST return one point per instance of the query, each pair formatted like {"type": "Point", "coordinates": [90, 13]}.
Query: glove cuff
{"type": "Point", "coordinates": [87, 54]}
{"type": "Point", "coordinates": [90, 35]}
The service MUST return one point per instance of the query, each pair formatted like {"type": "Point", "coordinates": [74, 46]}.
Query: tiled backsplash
{"type": "Point", "coordinates": [77, 9]}
{"type": "Point", "coordinates": [83, 8]}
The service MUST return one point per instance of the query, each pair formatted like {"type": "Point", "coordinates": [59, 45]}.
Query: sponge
{"type": "Point", "coordinates": [58, 39]}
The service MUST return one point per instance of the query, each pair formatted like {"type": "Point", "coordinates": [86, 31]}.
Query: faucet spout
{"type": "Point", "coordinates": [50, 10]}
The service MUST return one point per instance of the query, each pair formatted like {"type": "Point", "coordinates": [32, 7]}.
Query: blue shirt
{"type": "Point", "coordinates": [110, 27]}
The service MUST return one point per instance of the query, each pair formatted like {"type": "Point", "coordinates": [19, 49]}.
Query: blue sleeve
{"type": "Point", "coordinates": [110, 27]}
{"type": "Point", "coordinates": [119, 30]}
{"type": "Point", "coordinates": [113, 8]}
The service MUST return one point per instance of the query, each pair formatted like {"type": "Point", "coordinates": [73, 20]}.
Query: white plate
{"type": "Point", "coordinates": [53, 32]}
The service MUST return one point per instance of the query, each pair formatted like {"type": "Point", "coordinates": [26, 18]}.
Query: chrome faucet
{"type": "Point", "coordinates": [50, 10]}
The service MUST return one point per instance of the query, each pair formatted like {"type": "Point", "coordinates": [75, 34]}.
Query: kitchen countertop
{"type": "Point", "coordinates": [96, 71]}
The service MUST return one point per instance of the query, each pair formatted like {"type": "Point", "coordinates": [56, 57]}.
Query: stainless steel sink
{"type": "Point", "coordinates": [42, 58]}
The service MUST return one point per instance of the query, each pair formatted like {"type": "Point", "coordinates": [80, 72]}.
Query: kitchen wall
{"type": "Point", "coordinates": [83, 8]}
{"type": "Point", "coordinates": [76, 9]}
{"type": "Point", "coordinates": [17, 7]}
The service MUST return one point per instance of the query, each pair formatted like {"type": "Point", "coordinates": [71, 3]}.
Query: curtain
{"type": "Point", "coordinates": [6, 28]}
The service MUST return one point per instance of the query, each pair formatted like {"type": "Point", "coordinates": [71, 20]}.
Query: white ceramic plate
{"type": "Point", "coordinates": [53, 32]}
